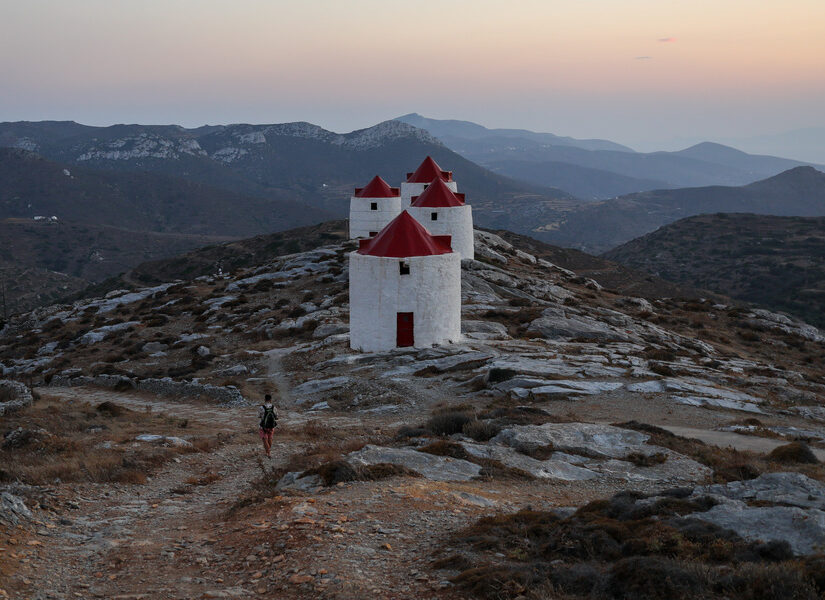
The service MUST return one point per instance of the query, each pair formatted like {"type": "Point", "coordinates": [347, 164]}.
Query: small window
{"type": "Point", "coordinates": [372, 233]}
{"type": "Point", "coordinates": [373, 205]}
{"type": "Point", "coordinates": [404, 268]}
{"type": "Point", "coordinates": [434, 216]}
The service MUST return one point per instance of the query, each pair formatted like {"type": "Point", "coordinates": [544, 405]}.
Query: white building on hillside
{"type": "Point", "coordinates": [404, 289]}
{"type": "Point", "coordinates": [444, 212]}
{"type": "Point", "coordinates": [372, 207]}
{"type": "Point", "coordinates": [422, 177]}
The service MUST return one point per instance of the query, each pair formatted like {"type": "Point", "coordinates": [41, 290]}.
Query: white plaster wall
{"type": "Point", "coordinates": [408, 190]}
{"type": "Point", "coordinates": [377, 291]}
{"type": "Point", "coordinates": [362, 220]}
{"type": "Point", "coordinates": [456, 221]}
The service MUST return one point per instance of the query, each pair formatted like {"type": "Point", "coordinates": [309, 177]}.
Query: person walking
{"type": "Point", "coordinates": [268, 421]}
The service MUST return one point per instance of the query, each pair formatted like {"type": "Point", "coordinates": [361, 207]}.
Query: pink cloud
{"type": "Point", "coordinates": [667, 40]}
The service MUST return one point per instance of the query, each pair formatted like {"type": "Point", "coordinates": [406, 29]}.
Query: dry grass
{"type": "Point", "coordinates": [78, 442]}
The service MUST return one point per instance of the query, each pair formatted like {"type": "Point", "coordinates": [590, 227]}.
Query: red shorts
{"type": "Point", "coordinates": [266, 434]}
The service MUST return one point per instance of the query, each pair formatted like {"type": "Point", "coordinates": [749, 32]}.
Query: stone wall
{"type": "Point", "coordinates": [18, 396]}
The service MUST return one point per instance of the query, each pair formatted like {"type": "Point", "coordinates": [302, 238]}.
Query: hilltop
{"type": "Point", "coordinates": [776, 262]}
{"type": "Point", "coordinates": [568, 409]}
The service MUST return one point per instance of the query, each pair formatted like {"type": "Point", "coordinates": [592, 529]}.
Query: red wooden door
{"type": "Point", "coordinates": [404, 330]}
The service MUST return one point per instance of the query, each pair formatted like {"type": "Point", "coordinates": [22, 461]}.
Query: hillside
{"type": "Point", "coordinates": [239, 254]}
{"type": "Point", "coordinates": [140, 201]}
{"type": "Point", "coordinates": [43, 261]}
{"type": "Point", "coordinates": [776, 262]}
{"type": "Point", "coordinates": [576, 439]}
{"type": "Point", "coordinates": [597, 227]}
{"type": "Point", "coordinates": [298, 162]}
{"type": "Point", "coordinates": [598, 169]}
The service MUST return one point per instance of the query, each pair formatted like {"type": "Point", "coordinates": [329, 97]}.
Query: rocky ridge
{"type": "Point", "coordinates": [529, 410]}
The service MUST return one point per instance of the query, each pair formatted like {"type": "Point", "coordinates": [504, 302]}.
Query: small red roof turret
{"type": "Point", "coordinates": [427, 171]}
{"type": "Point", "coordinates": [377, 188]}
{"type": "Point", "coordinates": [404, 237]}
{"type": "Point", "coordinates": [438, 194]}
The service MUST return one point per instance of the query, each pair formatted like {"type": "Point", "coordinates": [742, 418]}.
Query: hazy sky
{"type": "Point", "coordinates": [630, 70]}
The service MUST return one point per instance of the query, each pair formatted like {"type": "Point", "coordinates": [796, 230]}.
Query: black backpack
{"type": "Point", "coordinates": [269, 420]}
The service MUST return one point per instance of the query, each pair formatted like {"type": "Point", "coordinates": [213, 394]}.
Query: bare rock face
{"type": "Point", "coordinates": [804, 530]}
{"type": "Point", "coordinates": [429, 466]}
{"type": "Point", "coordinates": [13, 511]}
{"type": "Point", "coordinates": [595, 440]}
{"type": "Point", "coordinates": [553, 468]}
{"type": "Point", "coordinates": [790, 489]}
{"type": "Point", "coordinates": [790, 509]}
{"type": "Point", "coordinates": [558, 323]}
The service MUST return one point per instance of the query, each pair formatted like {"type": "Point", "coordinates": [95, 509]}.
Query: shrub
{"type": "Point", "coordinates": [480, 431]}
{"type": "Point", "coordinates": [448, 422]}
{"type": "Point", "coordinates": [795, 452]}
{"type": "Point", "coordinates": [641, 459]}
{"type": "Point", "coordinates": [338, 471]}
{"type": "Point", "coordinates": [497, 375]}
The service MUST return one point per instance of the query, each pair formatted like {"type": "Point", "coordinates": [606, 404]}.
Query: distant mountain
{"type": "Point", "coordinates": [139, 201]}
{"type": "Point", "coordinates": [778, 262]}
{"type": "Point", "coordinates": [802, 144]}
{"type": "Point", "coordinates": [588, 183]}
{"type": "Point", "coordinates": [452, 129]}
{"type": "Point", "coordinates": [596, 168]}
{"type": "Point", "coordinates": [597, 227]}
{"type": "Point", "coordinates": [296, 162]}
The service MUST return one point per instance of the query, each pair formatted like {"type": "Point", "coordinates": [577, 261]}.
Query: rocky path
{"type": "Point", "coordinates": [153, 540]}
{"type": "Point", "coordinates": [176, 536]}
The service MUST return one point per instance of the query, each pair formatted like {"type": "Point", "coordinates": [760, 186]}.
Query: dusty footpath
{"type": "Point", "coordinates": [170, 539]}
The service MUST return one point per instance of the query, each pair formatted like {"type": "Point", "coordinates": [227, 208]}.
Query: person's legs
{"type": "Point", "coordinates": [263, 435]}
{"type": "Point", "coordinates": [268, 440]}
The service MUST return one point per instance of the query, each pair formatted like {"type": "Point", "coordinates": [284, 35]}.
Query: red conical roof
{"type": "Point", "coordinates": [377, 188]}
{"type": "Point", "coordinates": [403, 237]}
{"type": "Point", "coordinates": [427, 171]}
{"type": "Point", "coordinates": [438, 194]}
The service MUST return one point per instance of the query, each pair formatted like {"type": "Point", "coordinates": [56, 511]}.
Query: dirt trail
{"type": "Point", "coordinates": [131, 541]}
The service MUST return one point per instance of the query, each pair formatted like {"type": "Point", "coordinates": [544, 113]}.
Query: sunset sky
{"type": "Point", "coordinates": [639, 72]}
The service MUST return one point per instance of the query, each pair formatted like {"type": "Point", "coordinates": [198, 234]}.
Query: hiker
{"type": "Point", "coordinates": [269, 420]}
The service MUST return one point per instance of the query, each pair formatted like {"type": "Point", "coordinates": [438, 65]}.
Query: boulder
{"type": "Point", "coordinates": [456, 362]}
{"type": "Point", "coordinates": [804, 530]}
{"type": "Point", "coordinates": [152, 347]}
{"type": "Point", "coordinates": [296, 480]}
{"type": "Point", "coordinates": [164, 440]}
{"type": "Point", "coordinates": [13, 511]}
{"type": "Point", "coordinates": [558, 323]}
{"type": "Point", "coordinates": [484, 330]}
{"type": "Point", "coordinates": [594, 440]}
{"type": "Point", "coordinates": [429, 466]}
{"type": "Point", "coordinates": [553, 468]}
{"type": "Point", "coordinates": [325, 330]}
{"type": "Point", "coordinates": [789, 489]}
{"type": "Point", "coordinates": [317, 386]}
{"type": "Point", "coordinates": [564, 388]}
